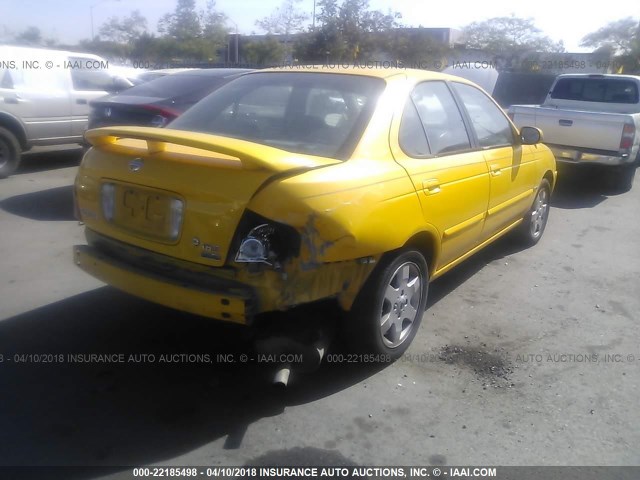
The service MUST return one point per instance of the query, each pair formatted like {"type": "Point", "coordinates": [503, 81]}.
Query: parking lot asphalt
{"type": "Point", "coordinates": [524, 357]}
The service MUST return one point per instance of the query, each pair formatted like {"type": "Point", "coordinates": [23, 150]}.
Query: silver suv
{"type": "Point", "coordinates": [44, 98]}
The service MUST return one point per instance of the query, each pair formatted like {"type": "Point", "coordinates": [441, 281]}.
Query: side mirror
{"type": "Point", "coordinates": [530, 135]}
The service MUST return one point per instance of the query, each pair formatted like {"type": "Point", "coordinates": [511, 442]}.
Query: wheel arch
{"type": "Point", "coordinates": [551, 178]}
{"type": "Point", "coordinates": [12, 124]}
{"type": "Point", "coordinates": [427, 244]}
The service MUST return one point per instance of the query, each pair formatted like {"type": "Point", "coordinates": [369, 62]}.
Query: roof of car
{"type": "Point", "coordinates": [366, 69]}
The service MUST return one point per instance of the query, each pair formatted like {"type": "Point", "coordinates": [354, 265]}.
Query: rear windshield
{"type": "Point", "coordinates": [175, 85]}
{"type": "Point", "coordinates": [310, 113]}
{"type": "Point", "coordinates": [605, 90]}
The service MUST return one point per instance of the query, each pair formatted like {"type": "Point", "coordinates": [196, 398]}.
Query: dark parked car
{"type": "Point", "coordinates": [157, 102]}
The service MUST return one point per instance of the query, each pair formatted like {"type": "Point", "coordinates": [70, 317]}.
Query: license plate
{"type": "Point", "coordinates": [149, 213]}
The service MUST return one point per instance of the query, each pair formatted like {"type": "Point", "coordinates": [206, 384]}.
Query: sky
{"type": "Point", "coordinates": [70, 20]}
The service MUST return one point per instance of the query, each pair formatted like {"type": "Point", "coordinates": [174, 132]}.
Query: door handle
{"type": "Point", "coordinates": [495, 170]}
{"type": "Point", "coordinates": [81, 101]}
{"type": "Point", "coordinates": [13, 100]}
{"type": "Point", "coordinates": [431, 186]}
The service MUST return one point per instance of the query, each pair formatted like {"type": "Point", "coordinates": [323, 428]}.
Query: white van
{"type": "Point", "coordinates": [44, 98]}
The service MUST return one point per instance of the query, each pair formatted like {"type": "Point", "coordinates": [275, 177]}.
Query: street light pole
{"type": "Point", "coordinates": [313, 22]}
{"type": "Point", "coordinates": [236, 60]}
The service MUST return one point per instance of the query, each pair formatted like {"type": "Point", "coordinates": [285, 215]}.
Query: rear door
{"type": "Point", "coordinates": [451, 178]}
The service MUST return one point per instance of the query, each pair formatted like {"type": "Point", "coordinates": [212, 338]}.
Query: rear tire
{"type": "Point", "coordinates": [622, 177]}
{"type": "Point", "coordinates": [9, 153]}
{"type": "Point", "coordinates": [388, 310]}
{"type": "Point", "coordinates": [535, 221]}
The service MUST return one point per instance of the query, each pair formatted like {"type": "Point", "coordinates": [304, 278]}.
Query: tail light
{"type": "Point", "coordinates": [162, 116]}
{"type": "Point", "coordinates": [628, 136]}
{"type": "Point", "coordinates": [262, 241]}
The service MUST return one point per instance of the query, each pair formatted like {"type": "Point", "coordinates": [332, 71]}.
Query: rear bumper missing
{"type": "Point", "coordinates": [233, 304]}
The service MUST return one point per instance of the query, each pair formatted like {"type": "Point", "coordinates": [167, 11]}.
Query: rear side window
{"type": "Point", "coordinates": [93, 80]}
{"type": "Point", "coordinates": [489, 122]}
{"type": "Point", "coordinates": [604, 90]}
{"type": "Point", "coordinates": [412, 138]}
{"type": "Point", "coordinates": [440, 118]}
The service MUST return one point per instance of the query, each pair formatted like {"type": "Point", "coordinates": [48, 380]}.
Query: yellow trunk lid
{"type": "Point", "coordinates": [175, 192]}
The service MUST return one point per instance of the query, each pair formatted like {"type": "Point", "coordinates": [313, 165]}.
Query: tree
{"type": "Point", "coordinates": [620, 39]}
{"type": "Point", "coordinates": [264, 53]}
{"type": "Point", "coordinates": [192, 35]}
{"type": "Point", "coordinates": [285, 19]}
{"type": "Point", "coordinates": [347, 32]}
{"type": "Point", "coordinates": [30, 36]}
{"type": "Point", "coordinates": [213, 23]}
{"type": "Point", "coordinates": [622, 36]}
{"type": "Point", "coordinates": [183, 23]}
{"type": "Point", "coordinates": [413, 47]}
{"type": "Point", "coordinates": [124, 30]}
{"type": "Point", "coordinates": [508, 35]}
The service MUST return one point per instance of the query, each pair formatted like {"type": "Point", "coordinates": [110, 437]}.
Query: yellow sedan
{"type": "Point", "coordinates": [293, 185]}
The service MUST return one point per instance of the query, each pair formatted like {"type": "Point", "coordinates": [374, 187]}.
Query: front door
{"type": "Point", "coordinates": [513, 172]}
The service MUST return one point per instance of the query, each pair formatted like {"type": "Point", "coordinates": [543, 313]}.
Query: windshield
{"type": "Point", "coordinates": [310, 113]}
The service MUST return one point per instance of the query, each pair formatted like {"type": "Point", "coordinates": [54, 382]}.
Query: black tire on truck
{"type": "Point", "coordinates": [10, 153]}
{"type": "Point", "coordinates": [622, 177]}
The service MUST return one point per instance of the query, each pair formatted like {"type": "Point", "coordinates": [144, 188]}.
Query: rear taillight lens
{"type": "Point", "coordinates": [628, 136]}
{"type": "Point", "coordinates": [161, 116]}
{"type": "Point", "coordinates": [175, 218]}
{"type": "Point", "coordinates": [159, 121]}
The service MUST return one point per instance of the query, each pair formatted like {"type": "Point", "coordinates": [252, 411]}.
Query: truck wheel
{"type": "Point", "coordinates": [388, 310]}
{"type": "Point", "coordinates": [535, 221]}
{"type": "Point", "coordinates": [623, 177]}
{"type": "Point", "coordinates": [9, 153]}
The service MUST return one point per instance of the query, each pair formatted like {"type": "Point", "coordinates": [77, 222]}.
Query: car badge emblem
{"type": "Point", "coordinates": [135, 165]}
{"type": "Point", "coordinates": [107, 112]}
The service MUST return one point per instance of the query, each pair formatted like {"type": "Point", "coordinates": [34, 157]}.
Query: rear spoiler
{"type": "Point", "coordinates": [182, 144]}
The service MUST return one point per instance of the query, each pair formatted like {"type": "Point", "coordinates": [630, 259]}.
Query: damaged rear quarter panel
{"type": "Point", "coordinates": [359, 208]}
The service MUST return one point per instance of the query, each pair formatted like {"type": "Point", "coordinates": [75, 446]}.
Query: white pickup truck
{"type": "Point", "coordinates": [590, 119]}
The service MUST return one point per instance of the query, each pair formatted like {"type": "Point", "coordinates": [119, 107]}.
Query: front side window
{"type": "Point", "coordinates": [441, 118]}
{"type": "Point", "coordinates": [489, 122]}
{"type": "Point", "coordinates": [311, 113]}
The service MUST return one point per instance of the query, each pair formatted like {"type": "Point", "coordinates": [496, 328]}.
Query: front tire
{"type": "Point", "coordinates": [535, 221]}
{"type": "Point", "coordinates": [388, 310]}
{"type": "Point", "coordinates": [9, 153]}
